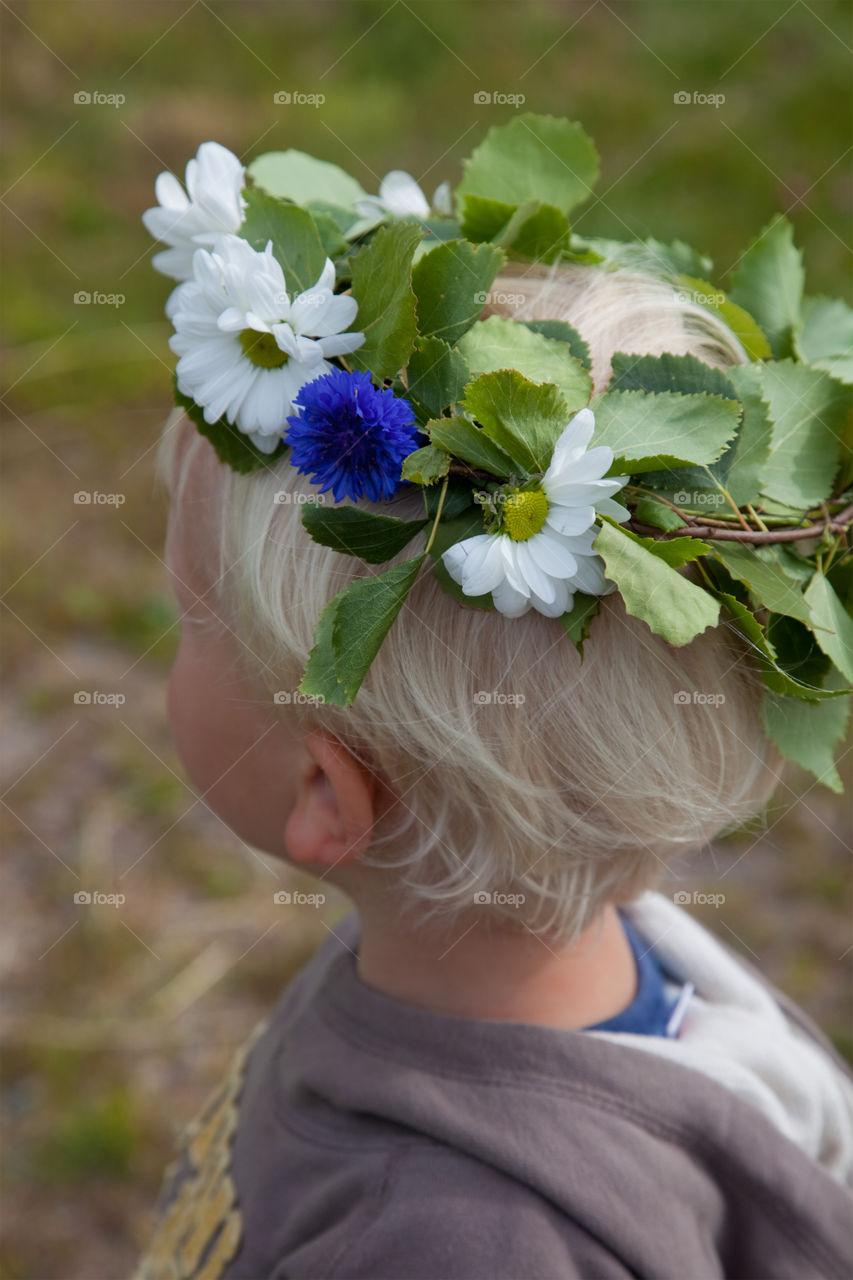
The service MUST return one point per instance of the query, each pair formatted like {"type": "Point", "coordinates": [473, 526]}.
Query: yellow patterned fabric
{"type": "Point", "coordinates": [199, 1231]}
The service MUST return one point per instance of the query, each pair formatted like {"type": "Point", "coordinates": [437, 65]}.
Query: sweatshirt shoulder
{"type": "Point", "coordinates": [436, 1212]}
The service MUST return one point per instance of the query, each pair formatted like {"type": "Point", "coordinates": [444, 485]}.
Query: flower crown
{"type": "Point", "coordinates": [343, 331]}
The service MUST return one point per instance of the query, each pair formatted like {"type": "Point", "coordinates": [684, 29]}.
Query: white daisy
{"type": "Point", "coordinates": [401, 197]}
{"type": "Point", "coordinates": [542, 552]}
{"type": "Point", "coordinates": [245, 349]}
{"type": "Point", "coordinates": [214, 205]}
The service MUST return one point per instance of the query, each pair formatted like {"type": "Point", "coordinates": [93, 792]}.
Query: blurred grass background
{"type": "Point", "coordinates": [118, 1019]}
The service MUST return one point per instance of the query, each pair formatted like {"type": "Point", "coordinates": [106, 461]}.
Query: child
{"type": "Point", "coordinates": [514, 1059]}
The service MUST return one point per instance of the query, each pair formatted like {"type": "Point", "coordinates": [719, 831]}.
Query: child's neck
{"type": "Point", "coordinates": [505, 974]}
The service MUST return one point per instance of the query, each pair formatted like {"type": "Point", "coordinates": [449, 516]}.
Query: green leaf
{"type": "Point", "coordinates": [528, 230]}
{"type": "Point", "coordinates": [809, 411]}
{"type": "Point", "coordinates": [501, 343]}
{"type": "Point", "coordinates": [458, 498]}
{"type": "Point", "coordinates": [647, 432]}
{"type": "Point", "coordinates": [777, 675]}
{"type": "Point", "coordinates": [347, 641]}
{"type": "Point", "coordinates": [578, 620]}
{"type": "Point", "coordinates": [833, 626]}
{"type": "Point", "coordinates": [741, 323]}
{"type": "Point", "coordinates": [334, 243]}
{"type": "Point", "coordinates": [470, 443]}
{"type": "Point", "coordinates": [561, 331]}
{"type": "Point", "coordinates": [294, 175]}
{"type": "Point", "coordinates": [768, 283]}
{"type": "Point", "coordinates": [651, 256]}
{"type": "Point", "coordinates": [451, 283]}
{"type": "Point", "coordinates": [447, 534]}
{"type": "Point", "coordinates": [685, 374]}
{"type": "Point", "coordinates": [751, 448]}
{"type": "Point", "coordinates": [826, 337]}
{"type": "Point", "coordinates": [426, 465]}
{"type": "Point", "coordinates": [437, 375]}
{"type": "Point", "coordinates": [671, 605]}
{"type": "Point", "coordinates": [797, 651]}
{"type": "Point", "coordinates": [374, 538]}
{"type": "Point", "coordinates": [650, 511]}
{"type": "Point", "coordinates": [296, 242]}
{"type": "Point", "coordinates": [532, 157]}
{"type": "Point", "coordinates": [675, 551]}
{"type": "Point", "coordinates": [769, 583]}
{"type": "Point", "coordinates": [520, 417]}
{"type": "Point", "coordinates": [232, 447]}
{"type": "Point", "coordinates": [382, 287]}
{"type": "Point", "coordinates": [807, 733]}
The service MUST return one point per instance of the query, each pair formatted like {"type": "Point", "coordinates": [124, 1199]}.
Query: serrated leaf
{"type": "Point", "coordinates": [360, 617]}
{"type": "Point", "coordinates": [833, 626]}
{"type": "Point", "coordinates": [768, 283]}
{"type": "Point", "coordinates": [470, 443]}
{"type": "Point", "coordinates": [675, 551]}
{"type": "Point", "coordinates": [776, 676]}
{"type": "Point", "coordinates": [523, 419]}
{"type": "Point", "coordinates": [743, 326]}
{"type": "Point", "coordinates": [450, 284]}
{"type": "Point", "coordinates": [561, 331]}
{"type": "Point", "coordinates": [382, 287]}
{"type": "Point", "coordinates": [426, 465]}
{"type": "Point", "coordinates": [501, 343]}
{"type": "Point", "coordinates": [355, 532]}
{"type": "Point", "coordinates": [437, 374]}
{"type": "Point", "coordinates": [232, 447]}
{"type": "Point", "coordinates": [295, 175]}
{"type": "Point", "coordinates": [532, 157]}
{"type": "Point", "coordinates": [650, 511]}
{"type": "Point", "coordinates": [751, 448]}
{"type": "Point", "coordinates": [797, 650]}
{"type": "Point", "coordinates": [681, 373]}
{"type": "Point", "coordinates": [649, 432]}
{"type": "Point", "coordinates": [809, 411]}
{"type": "Point", "coordinates": [762, 573]}
{"type": "Point", "coordinates": [533, 230]}
{"type": "Point", "coordinates": [807, 733]}
{"type": "Point", "coordinates": [671, 605]}
{"type": "Point", "coordinates": [652, 256]}
{"type": "Point", "coordinates": [296, 242]}
{"type": "Point", "coordinates": [825, 339]}
{"type": "Point", "coordinates": [578, 620]}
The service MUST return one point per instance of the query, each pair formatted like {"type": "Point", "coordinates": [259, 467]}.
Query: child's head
{"type": "Point", "coordinates": [491, 758]}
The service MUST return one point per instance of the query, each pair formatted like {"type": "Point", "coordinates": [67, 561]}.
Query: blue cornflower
{"type": "Point", "coordinates": [351, 436]}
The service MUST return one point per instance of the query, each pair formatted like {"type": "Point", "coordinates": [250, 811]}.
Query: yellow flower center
{"type": "Point", "coordinates": [524, 513]}
{"type": "Point", "coordinates": [262, 349]}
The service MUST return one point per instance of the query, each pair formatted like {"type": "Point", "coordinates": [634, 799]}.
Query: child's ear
{"type": "Point", "coordinates": [332, 820]}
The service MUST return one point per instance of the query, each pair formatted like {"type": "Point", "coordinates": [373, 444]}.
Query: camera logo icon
{"type": "Point", "coordinates": [282, 898]}
{"type": "Point", "coordinates": [482, 98]}
{"type": "Point", "coordinates": [682, 898]}
{"type": "Point", "coordinates": [81, 897]}
{"type": "Point", "coordinates": [82, 298]}
{"type": "Point", "coordinates": [82, 98]}
{"type": "Point", "coordinates": [681, 98]}
{"type": "Point", "coordinates": [82, 698]}
{"type": "Point", "coordinates": [281, 98]}
{"type": "Point", "coordinates": [482, 898]}
{"type": "Point", "coordinates": [82, 498]}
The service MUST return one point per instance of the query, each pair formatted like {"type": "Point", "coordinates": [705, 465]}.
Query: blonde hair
{"type": "Point", "coordinates": [574, 783]}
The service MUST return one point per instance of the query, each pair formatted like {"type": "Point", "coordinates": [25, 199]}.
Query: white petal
{"type": "Point", "coordinates": [534, 577]}
{"type": "Point", "coordinates": [442, 200]}
{"type": "Point", "coordinates": [551, 554]}
{"type": "Point", "coordinates": [563, 597]}
{"type": "Point", "coordinates": [510, 602]}
{"type": "Point", "coordinates": [341, 344]}
{"type": "Point", "coordinates": [169, 193]}
{"type": "Point", "coordinates": [484, 570]}
{"type": "Point", "coordinates": [456, 556]}
{"type": "Point", "coordinates": [569, 520]}
{"type": "Point", "coordinates": [401, 195]}
{"type": "Point", "coordinates": [574, 440]}
{"type": "Point", "coordinates": [607, 507]}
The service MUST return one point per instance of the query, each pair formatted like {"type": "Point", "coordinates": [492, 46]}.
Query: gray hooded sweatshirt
{"type": "Point", "coordinates": [361, 1138]}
